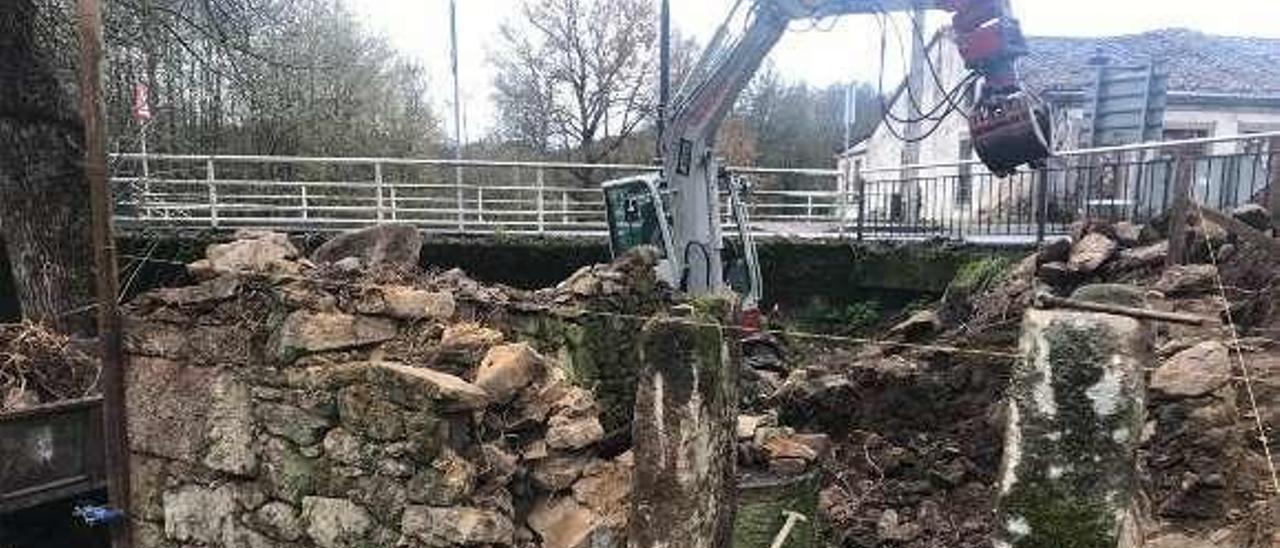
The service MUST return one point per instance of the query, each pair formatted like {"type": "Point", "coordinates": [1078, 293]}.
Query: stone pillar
{"type": "Point", "coordinates": [1074, 422]}
{"type": "Point", "coordinates": [683, 487]}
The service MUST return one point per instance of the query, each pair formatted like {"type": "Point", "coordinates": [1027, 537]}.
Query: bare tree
{"type": "Point", "coordinates": [44, 201]}
{"type": "Point", "coordinates": [576, 76]}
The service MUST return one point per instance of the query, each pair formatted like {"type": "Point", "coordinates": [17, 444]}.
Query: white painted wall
{"type": "Point", "coordinates": [881, 155]}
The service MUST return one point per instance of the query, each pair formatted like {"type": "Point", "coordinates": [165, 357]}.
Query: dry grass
{"type": "Point", "coordinates": [40, 366]}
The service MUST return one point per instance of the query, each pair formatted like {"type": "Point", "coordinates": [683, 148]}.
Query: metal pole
{"type": "Point", "coordinates": [1041, 212]}
{"type": "Point", "coordinates": [457, 110]}
{"type": "Point", "coordinates": [146, 170]}
{"type": "Point", "coordinates": [664, 73]}
{"type": "Point", "coordinates": [115, 434]}
{"type": "Point", "coordinates": [211, 181]}
{"type": "Point", "coordinates": [377, 178]}
{"type": "Point", "coordinates": [542, 205]}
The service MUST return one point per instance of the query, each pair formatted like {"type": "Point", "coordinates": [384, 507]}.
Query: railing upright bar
{"type": "Point", "coordinates": [541, 202]}
{"type": "Point", "coordinates": [213, 192]}
{"type": "Point", "coordinates": [377, 180]}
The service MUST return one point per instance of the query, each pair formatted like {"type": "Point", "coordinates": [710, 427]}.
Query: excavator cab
{"type": "Point", "coordinates": [637, 213]}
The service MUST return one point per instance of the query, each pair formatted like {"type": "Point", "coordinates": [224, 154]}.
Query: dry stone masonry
{"type": "Point", "coordinates": [283, 403]}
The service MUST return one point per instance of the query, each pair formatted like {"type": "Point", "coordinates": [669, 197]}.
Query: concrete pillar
{"type": "Point", "coordinates": [683, 487]}
{"type": "Point", "coordinates": [1074, 421]}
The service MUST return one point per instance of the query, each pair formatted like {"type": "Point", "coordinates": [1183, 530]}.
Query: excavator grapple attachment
{"type": "Point", "coordinates": [1011, 130]}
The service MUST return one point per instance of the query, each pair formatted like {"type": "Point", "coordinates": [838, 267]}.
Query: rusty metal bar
{"type": "Point", "coordinates": [115, 435]}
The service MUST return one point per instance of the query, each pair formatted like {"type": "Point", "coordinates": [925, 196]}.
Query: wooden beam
{"type": "Point", "coordinates": [115, 434]}
{"type": "Point", "coordinates": [1049, 301]}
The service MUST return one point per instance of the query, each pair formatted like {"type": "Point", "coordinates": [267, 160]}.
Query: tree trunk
{"type": "Point", "coordinates": [44, 203]}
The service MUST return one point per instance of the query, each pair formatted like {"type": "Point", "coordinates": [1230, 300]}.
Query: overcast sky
{"type": "Point", "coordinates": [849, 51]}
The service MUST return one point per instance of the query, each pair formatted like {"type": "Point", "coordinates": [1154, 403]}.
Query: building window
{"type": "Point", "coordinates": [964, 180]}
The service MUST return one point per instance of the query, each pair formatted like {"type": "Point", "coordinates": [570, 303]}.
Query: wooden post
{"type": "Point", "coordinates": [1184, 172]}
{"type": "Point", "coordinates": [115, 435]}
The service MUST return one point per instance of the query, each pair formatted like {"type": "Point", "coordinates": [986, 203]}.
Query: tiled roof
{"type": "Point", "coordinates": [1198, 63]}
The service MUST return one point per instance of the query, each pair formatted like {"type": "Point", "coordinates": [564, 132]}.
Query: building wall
{"type": "Point", "coordinates": [879, 158]}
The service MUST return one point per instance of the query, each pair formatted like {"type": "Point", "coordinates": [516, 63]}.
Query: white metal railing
{"type": "Point", "coordinates": [321, 194]}
{"type": "Point", "coordinates": [956, 200]}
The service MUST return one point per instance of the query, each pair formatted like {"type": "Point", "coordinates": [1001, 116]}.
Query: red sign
{"type": "Point", "coordinates": [141, 100]}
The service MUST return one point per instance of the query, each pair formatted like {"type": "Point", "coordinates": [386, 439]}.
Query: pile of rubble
{"type": "Point", "coordinates": [915, 432]}
{"type": "Point", "coordinates": [353, 400]}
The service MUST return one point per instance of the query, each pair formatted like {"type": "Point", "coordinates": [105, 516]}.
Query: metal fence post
{"type": "Point", "coordinates": [1041, 208]}
{"type": "Point", "coordinates": [480, 204]}
{"type": "Point", "coordinates": [860, 185]}
{"type": "Point", "coordinates": [377, 180]}
{"type": "Point", "coordinates": [305, 213]}
{"type": "Point", "coordinates": [1273, 169]}
{"type": "Point", "coordinates": [541, 203]}
{"type": "Point", "coordinates": [1185, 170]}
{"type": "Point", "coordinates": [564, 206]}
{"type": "Point", "coordinates": [211, 177]}
{"type": "Point", "coordinates": [392, 190]}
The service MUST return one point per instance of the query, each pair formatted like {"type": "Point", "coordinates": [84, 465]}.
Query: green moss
{"type": "Point", "coordinates": [978, 274]}
{"type": "Point", "coordinates": [1059, 519]}
{"type": "Point", "coordinates": [760, 516]}
{"type": "Point", "coordinates": [1074, 464]}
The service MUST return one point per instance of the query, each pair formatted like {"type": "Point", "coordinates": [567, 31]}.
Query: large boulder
{"type": "Point", "coordinates": [419, 382]}
{"type": "Point", "coordinates": [407, 303]}
{"type": "Point", "coordinates": [1181, 280]}
{"type": "Point", "coordinates": [1194, 372]}
{"type": "Point", "coordinates": [919, 325]}
{"type": "Point", "coordinates": [1253, 215]}
{"type": "Point", "coordinates": [507, 369]}
{"type": "Point", "coordinates": [306, 332]}
{"type": "Point", "coordinates": [563, 523]}
{"type": "Point", "coordinates": [251, 252]}
{"type": "Point", "coordinates": [394, 244]}
{"type": "Point", "coordinates": [1091, 252]}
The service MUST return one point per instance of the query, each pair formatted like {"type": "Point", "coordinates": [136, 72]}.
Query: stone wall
{"type": "Point", "coordinates": [280, 404]}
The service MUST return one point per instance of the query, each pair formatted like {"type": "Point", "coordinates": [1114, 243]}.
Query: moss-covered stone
{"type": "Point", "coordinates": [1069, 472]}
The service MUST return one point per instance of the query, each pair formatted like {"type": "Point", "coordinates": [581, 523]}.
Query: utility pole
{"type": "Point", "coordinates": [457, 112]}
{"type": "Point", "coordinates": [910, 193]}
{"type": "Point", "coordinates": [664, 73]}
{"type": "Point", "coordinates": [115, 435]}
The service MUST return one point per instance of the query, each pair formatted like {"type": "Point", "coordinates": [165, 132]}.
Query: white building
{"type": "Point", "coordinates": [1218, 86]}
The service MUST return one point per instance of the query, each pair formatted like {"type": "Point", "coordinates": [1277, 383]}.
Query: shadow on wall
{"type": "Point", "coordinates": [9, 309]}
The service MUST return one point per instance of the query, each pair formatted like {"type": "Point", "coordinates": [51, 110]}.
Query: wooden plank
{"type": "Point", "coordinates": [115, 436]}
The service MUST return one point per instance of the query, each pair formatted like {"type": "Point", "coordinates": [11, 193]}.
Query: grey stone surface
{"type": "Point", "coordinates": [278, 520]}
{"type": "Point", "coordinates": [453, 392]}
{"type": "Point", "coordinates": [1194, 372]}
{"type": "Point", "coordinates": [397, 244]}
{"type": "Point", "coordinates": [1088, 254]}
{"type": "Point", "coordinates": [508, 369]}
{"type": "Point", "coordinates": [1072, 428]}
{"type": "Point", "coordinates": [291, 423]}
{"type": "Point", "coordinates": [1181, 280]}
{"type": "Point", "coordinates": [305, 331]}
{"type": "Point", "coordinates": [194, 513]}
{"type": "Point", "coordinates": [336, 523]}
{"type": "Point", "coordinates": [459, 525]}
{"type": "Point", "coordinates": [230, 435]}
{"type": "Point", "coordinates": [565, 432]}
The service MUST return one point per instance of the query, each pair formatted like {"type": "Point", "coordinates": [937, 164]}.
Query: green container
{"type": "Point", "coordinates": [761, 503]}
